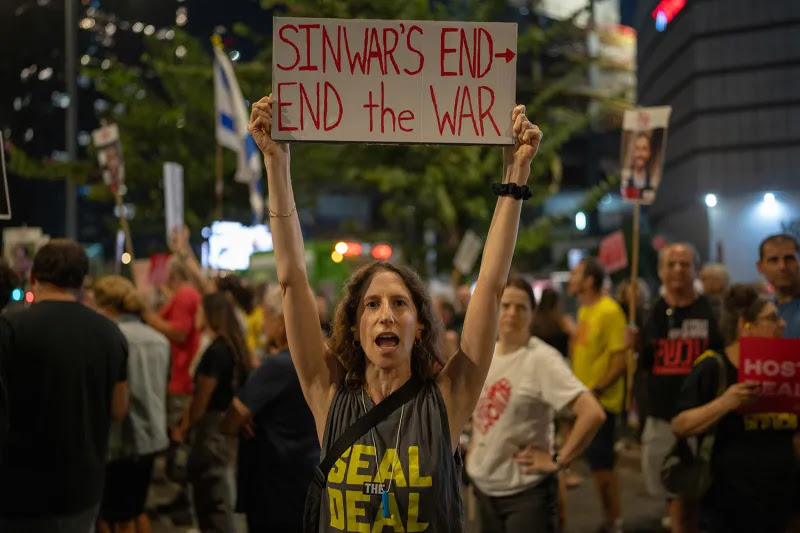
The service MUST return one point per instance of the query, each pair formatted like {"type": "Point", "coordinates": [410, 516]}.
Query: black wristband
{"type": "Point", "coordinates": [512, 189]}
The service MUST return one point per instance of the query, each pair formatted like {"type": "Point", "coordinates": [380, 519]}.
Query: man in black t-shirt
{"type": "Point", "coordinates": [66, 370]}
{"type": "Point", "coordinates": [679, 329]}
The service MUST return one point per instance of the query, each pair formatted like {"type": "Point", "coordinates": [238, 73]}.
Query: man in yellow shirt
{"type": "Point", "coordinates": [598, 360]}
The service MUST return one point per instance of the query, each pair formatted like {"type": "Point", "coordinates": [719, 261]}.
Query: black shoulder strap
{"type": "Point", "coordinates": [371, 419]}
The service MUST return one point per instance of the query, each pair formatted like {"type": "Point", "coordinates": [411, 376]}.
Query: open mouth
{"type": "Point", "coordinates": [387, 340]}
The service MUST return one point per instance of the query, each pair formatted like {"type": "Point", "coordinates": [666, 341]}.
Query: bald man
{"type": "Point", "coordinates": [679, 329]}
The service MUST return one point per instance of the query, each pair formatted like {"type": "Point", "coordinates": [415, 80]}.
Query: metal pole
{"type": "Point", "coordinates": [71, 129]}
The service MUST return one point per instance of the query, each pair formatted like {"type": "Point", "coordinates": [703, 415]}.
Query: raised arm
{"type": "Point", "coordinates": [463, 376]}
{"type": "Point", "coordinates": [306, 342]}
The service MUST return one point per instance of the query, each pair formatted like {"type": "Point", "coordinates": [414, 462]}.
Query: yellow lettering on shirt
{"type": "Point", "coordinates": [766, 421]}
{"type": "Point", "coordinates": [354, 512]}
{"type": "Point", "coordinates": [353, 477]}
{"type": "Point", "coordinates": [393, 521]}
{"type": "Point", "coordinates": [337, 508]}
{"type": "Point", "coordinates": [336, 475]}
{"type": "Point", "coordinates": [415, 480]}
{"type": "Point", "coordinates": [389, 462]}
{"type": "Point", "coordinates": [413, 514]}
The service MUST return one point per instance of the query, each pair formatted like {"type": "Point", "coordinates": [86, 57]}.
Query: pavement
{"type": "Point", "coordinates": [641, 513]}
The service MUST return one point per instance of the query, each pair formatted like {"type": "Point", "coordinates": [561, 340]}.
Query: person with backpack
{"type": "Point", "coordinates": [754, 467]}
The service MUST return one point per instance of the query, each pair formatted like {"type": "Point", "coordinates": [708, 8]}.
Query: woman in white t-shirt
{"type": "Point", "coordinates": [512, 459]}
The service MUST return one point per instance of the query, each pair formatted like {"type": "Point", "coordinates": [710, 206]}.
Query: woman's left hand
{"type": "Point", "coordinates": [527, 137]}
{"type": "Point", "coordinates": [535, 460]}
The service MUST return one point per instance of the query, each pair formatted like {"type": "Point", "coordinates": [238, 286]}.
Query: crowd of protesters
{"type": "Point", "coordinates": [238, 393]}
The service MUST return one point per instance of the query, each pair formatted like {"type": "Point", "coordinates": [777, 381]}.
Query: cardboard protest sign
{"type": "Point", "coordinates": [644, 140]}
{"type": "Point", "coordinates": [468, 252]}
{"type": "Point", "coordinates": [775, 363]}
{"type": "Point", "coordinates": [5, 201]}
{"type": "Point", "coordinates": [109, 156]}
{"type": "Point", "coordinates": [613, 253]}
{"type": "Point", "coordinates": [393, 81]}
{"type": "Point", "coordinates": [173, 196]}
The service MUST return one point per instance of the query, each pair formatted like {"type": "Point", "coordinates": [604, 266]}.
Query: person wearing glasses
{"type": "Point", "coordinates": [754, 463]}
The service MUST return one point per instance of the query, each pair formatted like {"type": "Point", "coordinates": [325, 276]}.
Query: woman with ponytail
{"type": "Point", "coordinates": [135, 440]}
{"type": "Point", "coordinates": [754, 467]}
{"type": "Point", "coordinates": [223, 368]}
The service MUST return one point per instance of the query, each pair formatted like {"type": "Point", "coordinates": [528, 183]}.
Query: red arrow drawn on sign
{"type": "Point", "coordinates": [508, 54]}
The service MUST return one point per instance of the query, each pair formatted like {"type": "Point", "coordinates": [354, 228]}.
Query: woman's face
{"type": "Point", "coordinates": [387, 321]}
{"type": "Point", "coordinates": [274, 328]}
{"type": "Point", "coordinates": [515, 312]}
{"type": "Point", "coordinates": [767, 324]}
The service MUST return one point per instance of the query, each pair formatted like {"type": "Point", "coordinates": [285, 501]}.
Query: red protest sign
{"type": "Point", "coordinates": [613, 254]}
{"type": "Point", "coordinates": [775, 363]}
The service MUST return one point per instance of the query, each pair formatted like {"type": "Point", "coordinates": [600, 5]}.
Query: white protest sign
{"type": "Point", "coordinates": [393, 81]}
{"type": "Point", "coordinates": [5, 201]}
{"type": "Point", "coordinates": [468, 252]}
{"type": "Point", "coordinates": [173, 196]}
{"type": "Point", "coordinates": [644, 141]}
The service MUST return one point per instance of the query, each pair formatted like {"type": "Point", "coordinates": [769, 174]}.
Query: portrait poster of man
{"type": "Point", "coordinates": [644, 141]}
{"type": "Point", "coordinates": [109, 156]}
{"type": "Point", "coordinates": [20, 244]}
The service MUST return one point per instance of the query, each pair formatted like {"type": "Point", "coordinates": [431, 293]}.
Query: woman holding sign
{"type": "Point", "coordinates": [753, 464]}
{"type": "Point", "coordinates": [397, 467]}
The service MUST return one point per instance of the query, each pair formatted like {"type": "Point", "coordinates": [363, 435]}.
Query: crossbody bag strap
{"type": "Point", "coordinates": [371, 419]}
{"type": "Point", "coordinates": [707, 441]}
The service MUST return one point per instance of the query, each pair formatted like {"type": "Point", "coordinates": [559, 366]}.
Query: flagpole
{"type": "Point", "coordinates": [218, 185]}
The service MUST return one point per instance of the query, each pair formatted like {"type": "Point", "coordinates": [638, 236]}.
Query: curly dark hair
{"type": "Point", "coordinates": [741, 301]}
{"type": "Point", "coordinates": [352, 357]}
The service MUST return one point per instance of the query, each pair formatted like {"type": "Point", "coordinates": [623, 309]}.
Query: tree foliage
{"type": "Point", "coordinates": [164, 108]}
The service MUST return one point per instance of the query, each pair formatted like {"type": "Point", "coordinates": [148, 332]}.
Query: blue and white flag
{"type": "Point", "coordinates": [232, 119]}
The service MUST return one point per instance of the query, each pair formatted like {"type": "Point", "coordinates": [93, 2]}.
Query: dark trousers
{"type": "Point", "coordinates": [80, 522]}
{"type": "Point", "coordinates": [534, 510]}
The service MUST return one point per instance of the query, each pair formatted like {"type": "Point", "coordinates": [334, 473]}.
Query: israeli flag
{"type": "Point", "coordinates": [232, 119]}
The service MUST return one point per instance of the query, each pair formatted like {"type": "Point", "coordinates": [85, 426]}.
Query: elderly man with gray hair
{"type": "Point", "coordinates": [278, 445]}
{"type": "Point", "coordinates": [678, 330]}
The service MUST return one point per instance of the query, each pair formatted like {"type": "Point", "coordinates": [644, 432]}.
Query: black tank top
{"type": "Point", "coordinates": [425, 494]}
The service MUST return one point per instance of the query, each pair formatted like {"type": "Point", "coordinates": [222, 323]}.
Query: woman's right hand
{"type": "Point", "coordinates": [740, 394]}
{"type": "Point", "coordinates": [261, 127]}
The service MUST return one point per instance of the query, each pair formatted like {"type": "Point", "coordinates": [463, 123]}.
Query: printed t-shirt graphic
{"type": "Point", "coordinates": [523, 390]}
{"type": "Point", "coordinates": [425, 491]}
{"type": "Point", "coordinates": [674, 338]}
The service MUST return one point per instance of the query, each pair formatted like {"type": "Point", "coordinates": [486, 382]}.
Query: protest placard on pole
{"type": "Point", "coordinates": [613, 253]}
{"type": "Point", "coordinates": [173, 197]}
{"type": "Point", "coordinates": [775, 364]}
{"type": "Point", "coordinates": [109, 156]}
{"type": "Point", "coordinates": [393, 81]}
{"type": "Point", "coordinates": [644, 141]}
{"type": "Point", "coordinates": [112, 166]}
{"type": "Point", "coordinates": [468, 252]}
{"type": "Point", "coordinates": [5, 201]}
